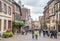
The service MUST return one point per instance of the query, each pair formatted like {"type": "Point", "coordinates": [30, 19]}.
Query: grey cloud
{"type": "Point", "coordinates": [37, 4]}
{"type": "Point", "coordinates": [37, 10]}
{"type": "Point", "coordinates": [31, 2]}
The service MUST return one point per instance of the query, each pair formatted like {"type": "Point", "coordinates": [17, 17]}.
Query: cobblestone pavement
{"type": "Point", "coordinates": [28, 38]}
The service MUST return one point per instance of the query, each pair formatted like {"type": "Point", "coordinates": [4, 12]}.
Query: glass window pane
{"type": "Point", "coordinates": [4, 7]}
{"type": "Point", "coordinates": [17, 8]}
{"type": "Point", "coordinates": [17, 16]}
{"type": "Point", "coordinates": [9, 10]}
{"type": "Point", "coordinates": [4, 24]}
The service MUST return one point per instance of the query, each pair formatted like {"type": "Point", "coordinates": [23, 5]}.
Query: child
{"type": "Point", "coordinates": [36, 33]}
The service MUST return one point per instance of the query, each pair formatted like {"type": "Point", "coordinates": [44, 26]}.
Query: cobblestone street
{"type": "Point", "coordinates": [28, 38]}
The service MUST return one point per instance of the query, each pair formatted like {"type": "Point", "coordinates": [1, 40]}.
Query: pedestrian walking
{"type": "Point", "coordinates": [23, 31]}
{"type": "Point", "coordinates": [55, 34]}
{"type": "Point", "coordinates": [40, 30]}
{"type": "Point", "coordinates": [32, 34]}
{"type": "Point", "coordinates": [26, 31]}
{"type": "Point", "coordinates": [44, 32]}
{"type": "Point", "coordinates": [52, 33]}
{"type": "Point", "coordinates": [47, 32]}
{"type": "Point", "coordinates": [36, 33]}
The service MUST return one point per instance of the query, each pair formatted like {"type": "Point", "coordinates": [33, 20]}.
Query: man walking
{"type": "Point", "coordinates": [32, 34]}
{"type": "Point", "coordinates": [40, 30]}
{"type": "Point", "coordinates": [55, 34]}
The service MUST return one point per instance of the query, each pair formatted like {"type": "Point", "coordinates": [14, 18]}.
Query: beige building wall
{"type": "Point", "coordinates": [51, 14]}
{"type": "Point", "coordinates": [30, 25]}
{"type": "Point", "coordinates": [36, 24]}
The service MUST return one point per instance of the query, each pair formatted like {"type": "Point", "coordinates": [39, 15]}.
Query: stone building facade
{"type": "Point", "coordinates": [5, 15]}
{"type": "Point", "coordinates": [51, 14]}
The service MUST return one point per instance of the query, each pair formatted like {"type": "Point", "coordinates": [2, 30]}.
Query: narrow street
{"type": "Point", "coordinates": [28, 38]}
{"type": "Point", "coordinates": [19, 17]}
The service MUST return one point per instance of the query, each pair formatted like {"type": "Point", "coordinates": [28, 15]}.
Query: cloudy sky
{"type": "Point", "coordinates": [36, 7]}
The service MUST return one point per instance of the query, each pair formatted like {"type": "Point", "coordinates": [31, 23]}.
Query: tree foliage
{"type": "Point", "coordinates": [21, 23]}
{"type": "Point", "coordinates": [15, 24]}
